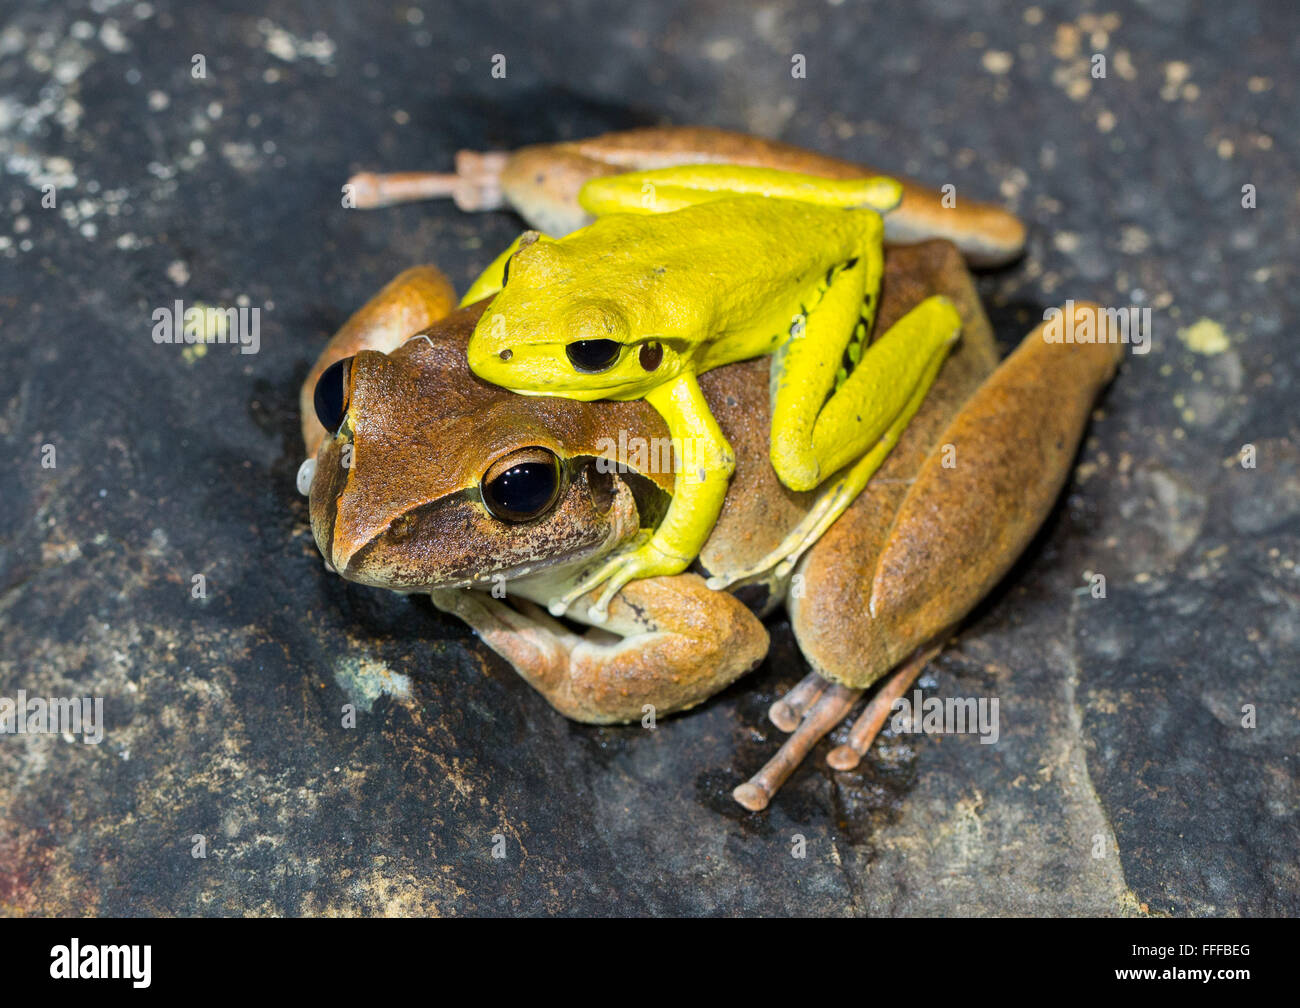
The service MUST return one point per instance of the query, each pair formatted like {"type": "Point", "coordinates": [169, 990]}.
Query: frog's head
{"type": "Point", "coordinates": [552, 330]}
{"type": "Point", "coordinates": [434, 479]}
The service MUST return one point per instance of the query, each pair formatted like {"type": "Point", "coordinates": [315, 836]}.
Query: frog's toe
{"type": "Point", "coordinates": [811, 710]}
{"type": "Point", "coordinates": [615, 574]}
{"type": "Point", "coordinates": [560, 606]}
{"type": "Point", "coordinates": [607, 574]}
{"type": "Point", "coordinates": [615, 578]}
{"type": "Point", "coordinates": [872, 719]}
{"type": "Point", "coordinates": [830, 708]}
{"type": "Point", "coordinates": [778, 564]}
{"type": "Point", "coordinates": [599, 612]}
{"type": "Point", "coordinates": [787, 712]}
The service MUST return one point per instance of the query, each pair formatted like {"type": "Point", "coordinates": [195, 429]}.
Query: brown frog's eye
{"type": "Point", "coordinates": [522, 486]}
{"type": "Point", "coordinates": [591, 356]}
{"type": "Point", "coordinates": [332, 393]}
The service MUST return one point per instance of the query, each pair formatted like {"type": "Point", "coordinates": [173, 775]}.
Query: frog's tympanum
{"type": "Point", "coordinates": [425, 478]}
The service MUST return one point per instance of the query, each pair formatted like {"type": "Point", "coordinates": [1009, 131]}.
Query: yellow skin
{"type": "Point", "coordinates": [692, 267]}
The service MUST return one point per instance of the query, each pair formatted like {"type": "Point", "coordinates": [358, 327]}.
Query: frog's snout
{"type": "Point", "coordinates": [489, 356]}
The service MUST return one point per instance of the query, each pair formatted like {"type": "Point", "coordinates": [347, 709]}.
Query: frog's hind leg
{"type": "Point", "coordinates": [662, 190]}
{"type": "Point", "coordinates": [868, 408]}
{"type": "Point", "coordinates": [831, 707]}
{"type": "Point", "coordinates": [872, 718]}
{"type": "Point", "coordinates": [813, 435]}
{"type": "Point", "coordinates": [475, 185]}
{"type": "Point", "coordinates": [835, 500]}
{"type": "Point", "coordinates": [787, 712]}
{"type": "Point", "coordinates": [816, 708]}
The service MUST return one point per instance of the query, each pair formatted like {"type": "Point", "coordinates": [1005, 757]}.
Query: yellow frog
{"type": "Point", "coordinates": [690, 267]}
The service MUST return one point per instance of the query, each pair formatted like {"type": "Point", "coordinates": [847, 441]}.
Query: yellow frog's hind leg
{"type": "Point", "coordinates": [868, 409]}
{"type": "Point", "coordinates": [842, 491]}
{"type": "Point", "coordinates": [663, 190]}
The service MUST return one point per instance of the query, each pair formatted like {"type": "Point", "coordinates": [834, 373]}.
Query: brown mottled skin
{"type": "Point", "coordinates": [926, 541]}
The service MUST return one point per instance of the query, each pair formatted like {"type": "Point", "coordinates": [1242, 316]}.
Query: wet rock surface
{"type": "Point", "coordinates": [1124, 781]}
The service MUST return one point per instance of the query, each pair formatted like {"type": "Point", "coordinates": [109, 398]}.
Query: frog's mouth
{"type": "Point", "coordinates": [457, 543]}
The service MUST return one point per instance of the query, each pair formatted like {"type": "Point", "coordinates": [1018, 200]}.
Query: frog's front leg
{"type": "Point", "coordinates": [705, 463]}
{"type": "Point", "coordinates": [475, 185]}
{"type": "Point", "coordinates": [669, 643]}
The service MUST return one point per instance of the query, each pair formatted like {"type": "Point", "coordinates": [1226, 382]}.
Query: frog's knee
{"type": "Point", "coordinates": [800, 471]}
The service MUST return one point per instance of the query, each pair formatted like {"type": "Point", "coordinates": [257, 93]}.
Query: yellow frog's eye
{"type": "Point", "coordinates": [522, 486]}
{"type": "Point", "coordinates": [592, 356]}
{"type": "Point", "coordinates": [333, 390]}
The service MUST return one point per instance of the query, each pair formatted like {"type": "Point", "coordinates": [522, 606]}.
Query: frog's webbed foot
{"type": "Point", "coordinates": [811, 710]}
{"type": "Point", "coordinates": [475, 185]}
{"type": "Point", "coordinates": [820, 517]}
{"type": "Point", "coordinates": [643, 559]}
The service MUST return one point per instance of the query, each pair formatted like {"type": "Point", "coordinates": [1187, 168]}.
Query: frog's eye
{"type": "Point", "coordinates": [331, 397]}
{"type": "Point", "coordinates": [651, 356]}
{"type": "Point", "coordinates": [592, 356]}
{"type": "Point", "coordinates": [522, 486]}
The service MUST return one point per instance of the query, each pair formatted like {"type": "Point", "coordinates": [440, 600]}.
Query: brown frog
{"type": "Point", "coordinates": [422, 478]}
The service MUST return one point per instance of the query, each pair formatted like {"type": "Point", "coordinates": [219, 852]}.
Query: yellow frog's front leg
{"type": "Point", "coordinates": [705, 463]}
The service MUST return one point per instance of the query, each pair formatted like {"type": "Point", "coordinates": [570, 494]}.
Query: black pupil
{"type": "Point", "coordinates": [594, 354]}
{"type": "Point", "coordinates": [331, 397]}
{"type": "Point", "coordinates": [523, 491]}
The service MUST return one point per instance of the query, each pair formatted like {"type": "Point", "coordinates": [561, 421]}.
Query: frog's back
{"type": "Point", "coordinates": [713, 263]}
